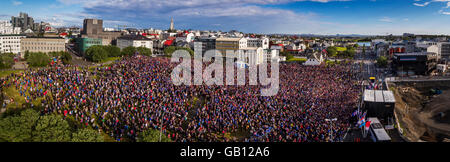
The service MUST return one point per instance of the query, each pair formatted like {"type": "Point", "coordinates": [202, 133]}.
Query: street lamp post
{"type": "Point", "coordinates": [331, 128]}
{"type": "Point", "coordinates": [161, 125]}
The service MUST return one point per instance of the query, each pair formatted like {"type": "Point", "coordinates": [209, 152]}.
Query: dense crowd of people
{"type": "Point", "coordinates": [136, 94]}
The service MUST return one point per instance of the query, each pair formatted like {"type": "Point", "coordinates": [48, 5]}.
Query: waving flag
{"type": "Point", "coordinates": [368, 125]}
{"type": "Point", "coordinates": [363, 123]}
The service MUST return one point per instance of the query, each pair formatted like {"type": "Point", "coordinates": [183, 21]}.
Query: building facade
{"type": "Point", "coordinates": [233, 44]}
{"type": "Point", "coordinates": [82, 44]}
{"type": "Point", "coordinates": [7, 28]}
{"type": "Point", "coordinates": [24, 22]}
{"type": "Point", "coordinates": [258, 42]}
{"type": "Point", "coordinates": [444, 50]}
{"type": "Point", "coordinates": [44, 45]}
{"type": "Point", "coordinates": [93, 28]}
{"type": "Point", "coordinates": [201, 45]}
{"type": "Point", "coordinates": [134, 41]}
{"type": "Point", "coordinates": [10, 43]}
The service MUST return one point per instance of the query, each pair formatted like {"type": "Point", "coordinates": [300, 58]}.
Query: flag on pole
{"type": "Point", "coordinates": [363, 123]}
{"type": "Point", "coordinates": [368, 125]}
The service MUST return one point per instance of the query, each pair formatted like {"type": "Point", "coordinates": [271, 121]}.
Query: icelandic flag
{"type": "Point", "coordinates": [363, 124]}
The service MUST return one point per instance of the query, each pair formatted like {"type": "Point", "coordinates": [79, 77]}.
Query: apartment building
{"type": "Point", "coordinates": [10, 43]}
{"type": "Point", "coordinates": [44, 45]}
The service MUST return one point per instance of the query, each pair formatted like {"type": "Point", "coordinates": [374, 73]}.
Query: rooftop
{"type": "Point", "coordinates": [228, 39]}
{"type": "Point", "coordinates": [133, 37]}
{"type": "Point", "coordinates": [379, 96]}
{"type": "Point", "coordinates": [414, 54]}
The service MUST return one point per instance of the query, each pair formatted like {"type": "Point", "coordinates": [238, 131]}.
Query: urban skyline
{"type": "Point", "coordinates": [324, 17]}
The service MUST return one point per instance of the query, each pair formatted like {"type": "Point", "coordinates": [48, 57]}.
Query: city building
{"type": "Point", "coordinates": [258, 42]}
{"type": "Point", "coordinates": [416, 63]}
{"type": "Point", "coordinates": [224, 44]}
{"type": "Point", "coordinates": [250, 55]}
{"type": "Point", "coordinates": [93, 28]}
{"type": "Point", "coordinates": [23, 21]}
{"type": "Point", "coordinates": [185, 37]}
{"type": "Point", "coordinates": [203, 44]}
{"type": "Point", "coordinates": [10, 43]}
{"type": "Point", "coordinates": [428, 48]}
{"type": "Point", "coordinates": [82, 44]}
{"type": "Point", "coordinates": [45, 45]}
{"type": "Point", "coordinates": [7, 28]}
{"type": "Point", "coordinates": [135, 41]}
{"type": "Point", "coordinates": [158, 47]}
{"type": "Point", "coordinates": [444, 50]}
{"type": "Point", "coordinates": [270, 55]}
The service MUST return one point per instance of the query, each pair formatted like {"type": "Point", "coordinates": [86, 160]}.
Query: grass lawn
{"type": "Point", "coordinates": [297, 60]}
{"type": "Point", "coordinates": [329, 63]}
{"type": "Point", "coordinates": [109, 59]}
{"type": "Point", "coordinates": [341, 49]}
{"type": "Point", "coordinates": [12, 92]}
{"type": "Point", "coordinates": [9, 72]}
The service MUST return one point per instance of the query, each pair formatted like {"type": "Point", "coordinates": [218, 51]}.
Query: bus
{"type": "Point", "coordinates": [377, 132]}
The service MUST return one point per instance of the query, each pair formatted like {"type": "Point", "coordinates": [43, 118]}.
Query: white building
{"type": "Point", "coordinates": [135, 41]}
{"type": "Point", "coordinates": [258, 42]}
{"type": "Point", "coordinates": [270, 55]}
{"type": "Point", "coordinates": [10, 43]}
{"type": "Point", "coordinates": [188, 38]}
{"type": "Point", "coordinates": [7, 28]}
{"type": "Point", "coordinates": [444, 50]}
{"type": "Point", "coordinates": [251, 56]}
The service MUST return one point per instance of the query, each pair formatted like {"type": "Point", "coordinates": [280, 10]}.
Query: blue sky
{"type": "Point", "coordinates": [372, 17]}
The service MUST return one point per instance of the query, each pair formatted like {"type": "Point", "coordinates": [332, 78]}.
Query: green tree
{"type": "Point", "coordinates": [382, 61]}
{"type": "Point", "coordinates": [38, 59]}
{"type": "Point", "coordinates": [144, 51]}
{"type": "Point", "coordinates": [52, 128]}
{"type": "Point", "coordinates": [289, 56]}
{"type": "Point", "coordinates": [96, 53]}
{"type": "Point", "coordinates": [171, 49]}
{"type": "Point", "coordinates": [284, 53]}
{"type": "Point", "coordinates": [19, 128]}
{"type": "Point", "coordinates": [6, 60]}
{"type": "Point", "coordinates": [66, 58]}
{"type": "Point", "coordinates": [87, 135]}
{"type": "Point", "coordinates": [113, 51]}
{"type": "Point", "coordinates": [332, 51]}
{"type": "Point", "coordinates": [27, 54]}
{"type": "Point", "coordinates": [152, 136]}
{"type": "Point", "coordinates": [129, 51]}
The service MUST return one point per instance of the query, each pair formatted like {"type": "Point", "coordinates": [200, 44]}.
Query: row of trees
{"type": "Point", "coordinates": [99, 53]}
{"type": "Point", "coordinates": [40, 59]}
{"type": "Point", "coordinates": [171, 49]}
{"type": "Point", "coordinates": [349, 52]}
{"type": "Point", "coordinates": [382, 61]}
{"type": "Point", "coordinates": [29, 126]}
{"type": "Point", "coordinates": [6, 60]}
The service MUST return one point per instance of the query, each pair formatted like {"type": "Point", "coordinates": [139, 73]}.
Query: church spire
{"type": "Point", "coordinates": [171, 25]}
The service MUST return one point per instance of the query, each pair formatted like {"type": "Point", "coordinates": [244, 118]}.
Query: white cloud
{"type": "Point", "coordinates": [231, 14]}
{"type": "Point", "coordinates": [386, 19]}
{"type": "Point", "coordinates": [16, 3]}
{"type": "Point", "coordinates": [433, 1]}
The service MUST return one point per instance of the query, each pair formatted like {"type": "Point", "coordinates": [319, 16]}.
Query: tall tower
{"type": "Point", "coordinates": [171, 24]}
